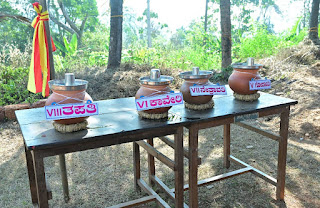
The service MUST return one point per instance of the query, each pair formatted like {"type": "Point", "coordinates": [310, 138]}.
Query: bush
{"type": "Point", "coordinates": [13, 86]}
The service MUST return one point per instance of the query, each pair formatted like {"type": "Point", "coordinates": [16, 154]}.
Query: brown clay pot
{"type": "Point", "coordinates": [195, 77]}
{"type": "Point", "coordinates": [241, 75]}
{"type": "Point", "coordinates": [185, 90]}
{"type": "Point", "coordinates": [57, 97]}
{"type": "Point", "coordinates": [73, 89]}
{"type": "Point", "coordinates": [153, 90]}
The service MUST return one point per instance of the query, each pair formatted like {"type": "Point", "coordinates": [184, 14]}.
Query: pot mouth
{"type": "Point", "coordinates": [196, 74]}
{"type": "Point", "coordinates": [68, 84]}
{"type": "Point", "coordinates": [247, 65]}
{"type": "Point", "coordinates": [156, 78]}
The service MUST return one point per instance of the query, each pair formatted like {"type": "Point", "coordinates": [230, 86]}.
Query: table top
{"type": "Point", "coordinates": [119, 117]}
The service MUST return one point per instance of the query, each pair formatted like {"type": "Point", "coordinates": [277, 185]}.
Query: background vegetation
{"type": "Point", "coordinates": [85, 45]}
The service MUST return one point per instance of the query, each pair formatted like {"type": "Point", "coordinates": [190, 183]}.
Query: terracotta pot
{"type": "Point", "coordinates": [153, 85]}
{"type": "Point", "coordinates": [67, 91]}
{"type": "Point", "coordinates": [241, 75]}
{"type": "Point", "coordinates": [57, 97]}
{"type": "Point", "coordinates": [195, 77]}
{"type": "Point", "coordinates": [185, 90]}
{"type": "Point", "coordinates": [153, 90]}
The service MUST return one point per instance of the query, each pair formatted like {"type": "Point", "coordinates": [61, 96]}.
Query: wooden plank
{"type": "Point", "coordinates": [255, 171]}
{"type": "Point", "coordinates": [40, 180]}
{"type": "Point", "coordinates": [178, 171]}
{"type": "Point", "coordinates": [259, 131]}
{"type": "Point", "coordinates": [166, 189]}
{"type": "Point", "coordinates": [64, 177]}
{"type": "Point", "coordinates": [151, 150]}
{"type": "Point", "coordinates": [220, 177]}
{"type": "Point", "coordinates": [216, 122]}
{"type": "Point", "coordinates": [150, 191]}
{"type": "Point", "coordinates": [136, 202]}
{"type": "Point", "coordinates": [151, 165]}
{"type": "Point", "coordinates": [226, 145]}
{"type": "Point", "coordinates": [170, 143]}
{"type": "Point", "coordinates": [193, 165]}
{"type": "Point", "coordinates": [49, 192]}
{"type": "Point", "coordinates": [31, 175]}
{"type": "Point", "coordinates": [136, 165]}
{"type": "Point", "coordinates": [282, 153]}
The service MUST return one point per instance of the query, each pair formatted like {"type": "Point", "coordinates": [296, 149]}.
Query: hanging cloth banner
{"type": "Point", "coordinates": [39, 73]}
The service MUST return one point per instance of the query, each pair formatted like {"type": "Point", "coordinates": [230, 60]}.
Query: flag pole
{"type": "Point", "coordinates": [43, 3]}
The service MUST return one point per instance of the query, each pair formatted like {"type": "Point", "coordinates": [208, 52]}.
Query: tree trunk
{"type": "Point", "coordinates": [206, 23]}
{"type": "Point", "coordinates": [43, 3]}
{"type": "Point", "coordinates": [115, 43]}
{"type": "Point", "coordinates": [225, 33]}
{"type": "Point", "coordinates": [149, 24]}
{"type": "Point", "coordinates": [313, 30]}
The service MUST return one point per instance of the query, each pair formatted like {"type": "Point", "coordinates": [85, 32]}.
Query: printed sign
{"type": "Point", "coordinates": [246, 117]}
{"type": "Point", "coordinates": [260, 84]}
{"type": "Point", "coordinates": [198, 90]}
{"type": "Point", "coordinates": [74, 110]}
{"type": "Point", "coordinates": [159, 101]}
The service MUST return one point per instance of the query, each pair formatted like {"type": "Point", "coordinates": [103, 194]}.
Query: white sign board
{"type": "Point", "coordinates": [72, 110]}
{"type": "Point", "coordinates": [159, 101]}
{"type": "Point", "coordinates": [260, 84]}
{"type": "Point", "coordinates": [199, 90]}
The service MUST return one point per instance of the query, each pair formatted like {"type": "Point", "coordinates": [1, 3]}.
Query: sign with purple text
{"type": "Point", "coordinates": [260, 84]}
{"type": "Point", "coordinates": [74, 110]}
{"type": "Point", "coordinates": [198, 90]}
{"type": "Point", "coordinates": [159, 101]}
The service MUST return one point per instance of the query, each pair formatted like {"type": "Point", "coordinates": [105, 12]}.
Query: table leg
{"type": "Point", "coordinates": [178, 173]}
{"type": "Point", "coordinates": [40, 180]}
{"type": "Point", "coordinates": [31, 174]}
{"type": "Point", "coordinates": [282, 153]}
{"type": "Point", "coordinates": [226, 145]}
{"type": "Point", "coordinates": [193, 166]}
{"type": "Point", "coordinates": [151, 165]}
{"type": "Point", "coordinates": [64, 177]}
{"type": "Point", "coordinates": [136, 165]}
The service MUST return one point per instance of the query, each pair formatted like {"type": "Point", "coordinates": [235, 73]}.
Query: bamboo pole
{"type": "Point", "coordinates": [43, 3]}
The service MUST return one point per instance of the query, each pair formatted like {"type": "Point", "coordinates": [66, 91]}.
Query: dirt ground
{"type": "Point", "coordinates": [295, 73]}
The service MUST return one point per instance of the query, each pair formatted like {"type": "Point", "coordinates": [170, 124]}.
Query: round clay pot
{"type": "Point", "coordinates": [241, 75]}
{"type": "Point", "coordinates": [69, 90]}
{"type": "Point", "coordinates": [153, 90]}
{"type": "Point", "coordinates": [58, 96]}
{"type": "Point", "coordinates": [195, 77]}
{"type": "Point", "coordinates": [185, 90]}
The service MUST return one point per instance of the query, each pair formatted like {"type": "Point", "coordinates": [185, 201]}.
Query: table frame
{"type": "Point", "coordinates": [36, 172]}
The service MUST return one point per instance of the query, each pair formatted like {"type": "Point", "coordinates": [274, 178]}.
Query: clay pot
{"type": "Point", "coordinates": [71, 92]}
{"type": "Point", "coordinates": [242, 74]}
{"type": "Point", "coordinates": [195, 77]}
{"type": "Point", "coordinates": [154, 85]}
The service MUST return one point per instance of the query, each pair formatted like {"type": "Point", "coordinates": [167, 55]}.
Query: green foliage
{"type": "Point", "coordinates": [13, 86]}
{"type": "Point", "coordinates": [70, 49]}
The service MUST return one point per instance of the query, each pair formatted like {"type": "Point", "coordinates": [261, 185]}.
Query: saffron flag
{"type": "Point", "coordinates": [39, 73]}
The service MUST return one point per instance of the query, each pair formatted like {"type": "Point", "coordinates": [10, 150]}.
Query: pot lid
{"type": "Point", "coordinates": [248, 65]}
{"type": "Point", "coordinates": [156, 78]}
{"type": "Point", "coordinates": [68, 84]}
{"type": "Point", "coordinates": [196, 74]}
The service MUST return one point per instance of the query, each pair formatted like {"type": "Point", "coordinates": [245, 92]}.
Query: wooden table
{"type": "Point", "coordinates": [119, 123]}
{"type": "Point", "coordinates": [226, 111]}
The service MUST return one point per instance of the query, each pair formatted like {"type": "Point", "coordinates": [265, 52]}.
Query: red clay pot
{"type": "Point", "coordinates": [241, 75]}
{"type": "Point", "coordinates": [69, 90]}
{"type": "Point", "coordinates": [153, 90]}
{"type": "Point", "coordinates": [57, 97]}
{"type": "Point", "coordinates": [185, 90]}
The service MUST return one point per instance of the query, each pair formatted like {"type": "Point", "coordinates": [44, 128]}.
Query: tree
{"type": "Point", "coordinates": [74, 16]}
{"type": "Point", "coordinates": [225, 33]}
{"type": "Point", "coordinates": [206, 21]}
{"type": "Point", "coordinates": [115, 43]}
{"type": "Point", "coordinates": [149, 24]}
{"type": "Point", "coordinates": [313, 24]}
